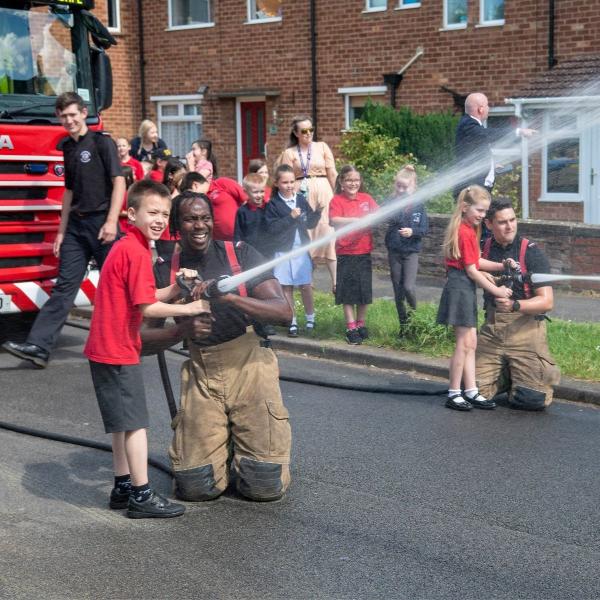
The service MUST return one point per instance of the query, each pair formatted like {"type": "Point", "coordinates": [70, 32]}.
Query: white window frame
{"type": "Point", "coordinates": [483, 22]}
{"type": "Point", "coordinates": [402, 5]}
{"type": "Point", "coordinates": [554, 136]}
{"type": "Point", "coordinates": [451, 26]}
{"type": "Point", "coordinates": [251, 20]}
{"type": "Point", "coordinates": [181, 101]}
{"type": "Point", "coordinates": [172, 27]}
{"type": "Point", "coordinates": [117, 12]}
{"type": "Point", "coordinates": [348, 92]}
{"type": "Point", "coordinates": [371, 9]}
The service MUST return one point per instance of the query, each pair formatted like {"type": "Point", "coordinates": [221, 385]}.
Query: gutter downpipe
{"type": "Point", "coordinates": [551, 29]}
{"type": "Point", "coordinates": [313, 60]}
{"type": "Point", "coordinates": [142, 61]}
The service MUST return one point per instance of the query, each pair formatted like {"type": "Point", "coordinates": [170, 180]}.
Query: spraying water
{"type": "Point", "coordinates": [457, 175]}
{"type": "Point", "coordinates": [549, 277]}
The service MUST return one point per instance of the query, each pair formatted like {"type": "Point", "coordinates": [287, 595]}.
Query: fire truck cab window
{"type": "Point", "coordinates": [36, 55]}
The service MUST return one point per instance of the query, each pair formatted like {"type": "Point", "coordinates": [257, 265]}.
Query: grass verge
{"type": "Point", "coordinates": [575, 346]}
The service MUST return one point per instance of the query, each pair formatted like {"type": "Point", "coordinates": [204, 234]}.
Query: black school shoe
{"type": "Point", "coordinates": [118, 499]}
{"type": "Point", "coordinates": [454, 405]}
{"type": "Point", "coordinates": [154, 507]}
{"type": "Point", "coordinates": [483, 403]}
{"type": "Point", "coordinates": [363, 332]}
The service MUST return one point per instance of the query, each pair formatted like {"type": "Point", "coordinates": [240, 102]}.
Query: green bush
{"type": "Point", "coordinates": [375, 155]}
{"type": "Point", "coordinates": [429, 137]}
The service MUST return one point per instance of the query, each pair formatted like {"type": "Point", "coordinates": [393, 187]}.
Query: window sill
{"type": "Point", "coordinates": [114, 30]}
{"type": "Point", "coordinates": [368, 11]}
{"type": "Point", "coordinates": [568, 199]}
{"type": "Point", "coordinates": [194, 26]}
{"type": "Point", "coordinates": [261, 21]}
{"type": "Point", "coordinates": [453, 27]}
{"type": "Point", "coordinates": [408, 6]}
{"type": "Point", "coordinates": [490, 24]}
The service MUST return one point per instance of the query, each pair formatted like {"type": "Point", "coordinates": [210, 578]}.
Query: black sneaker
{"type": "Point", "coordinates": [118, 498]}
{"type": "Point", "coordinates": [293, 331]}
{"type": "Point", "coordinates": [154, 507]}
{"type": "Point", "coordinates": [363, 332]}
{"type": "Point", "coordinates": [353, 337]}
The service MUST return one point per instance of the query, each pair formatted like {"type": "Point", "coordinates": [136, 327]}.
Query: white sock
{"type": "Point", "coordinates": [310, 317]}
{"type": "Point", "coordinates": [459, 398]}
{"type": "Point", "coordinates": [470, 394]}
{"type": "Point", "coordinates": [294, 322]}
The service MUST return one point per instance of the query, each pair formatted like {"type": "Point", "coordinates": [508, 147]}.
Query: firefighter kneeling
{"type": "Point", "coordinates": [512, 349]}
{"type": "Point", "coordinates": [231, 405]}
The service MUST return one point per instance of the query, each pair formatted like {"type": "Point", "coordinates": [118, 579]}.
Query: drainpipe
{"type": "Point", "coordinates": [551, 59]}
{"type": "Point", "coordinates": [142, 61]}
{"type": "Point", "coordinates": [313, 59]}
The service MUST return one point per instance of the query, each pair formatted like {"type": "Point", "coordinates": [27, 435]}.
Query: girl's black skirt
{"type": "Point", "coordinates": [458, 304]}
{"type": "Point", "coordinates": [353, 283]}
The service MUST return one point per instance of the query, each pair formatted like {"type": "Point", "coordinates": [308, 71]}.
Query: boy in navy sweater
{"type": "Point", "coordinates": [249, 221]}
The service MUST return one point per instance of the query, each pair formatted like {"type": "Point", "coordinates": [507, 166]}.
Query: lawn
{"type": "Point", "coordinates": [575, 346]}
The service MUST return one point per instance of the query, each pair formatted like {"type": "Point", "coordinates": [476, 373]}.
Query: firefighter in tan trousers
{"type": "Point", "coordinates": [512, 349]}
{"type": "Point", "coordinates": [230, 396]}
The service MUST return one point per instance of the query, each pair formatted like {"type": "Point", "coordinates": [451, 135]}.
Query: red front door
{"type": "Point", "coordinates": [254, 132]}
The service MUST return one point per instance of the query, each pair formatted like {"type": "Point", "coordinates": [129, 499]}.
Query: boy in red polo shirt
{"type": "Point", "coordinates": [126, 293]}
{"type": "Point", "coordinates": [353, 285]}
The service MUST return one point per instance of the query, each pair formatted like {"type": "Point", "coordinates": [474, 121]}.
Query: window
{"type": "Point", "coordinates": [190, 13]}
{"type": "Point", "coordinates": [179, 121]}
{"type": "Point", "coordinates": [455, 14]}
{"type": "Point", "coordinates": [561, 166]}
{"type": "Point", "coordinates": [113, 11]}
{"type": "Point", "coordinates": [375, 5]}
{"type": "Point", "coordinates": [409, 3]}
{"type": "Point", "coordinates": [264, 10]}
{"type": "Point", "coordinates": [491, 12]}
{"type": "Point", "coordinates": [356, 98]}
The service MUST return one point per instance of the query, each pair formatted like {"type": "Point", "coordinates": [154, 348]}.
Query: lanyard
{"type": "Point", "coordinates": [302, 166]}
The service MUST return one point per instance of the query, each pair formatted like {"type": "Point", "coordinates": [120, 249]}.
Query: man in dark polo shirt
{"type": "Point", "coordinates": [230, 396]}
{"type": "Point", "coordinates": [94, 189]}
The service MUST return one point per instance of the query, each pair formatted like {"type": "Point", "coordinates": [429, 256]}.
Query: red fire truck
{"type": "Point", "coordinates": [46, 48]}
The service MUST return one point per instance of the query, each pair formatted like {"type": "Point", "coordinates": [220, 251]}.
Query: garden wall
{"type": "Point", "coordinates": [572, 248]}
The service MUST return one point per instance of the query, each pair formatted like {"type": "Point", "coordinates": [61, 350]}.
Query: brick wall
{"type": "Point", "coordinates": [124, 117]}
{"type": "Point", "coordinates": [571, 248]}
{"type": "Point", "coordinates": [354, 49]}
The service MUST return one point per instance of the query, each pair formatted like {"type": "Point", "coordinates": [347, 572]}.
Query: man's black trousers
{"type": "Point", "coordinates": [79, 245]}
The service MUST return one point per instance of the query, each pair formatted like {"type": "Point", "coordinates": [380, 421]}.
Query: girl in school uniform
{"type": "Point", "coordinates": [288, 217]}
{"type": "Point", "coordinates": [353, 287]}
{"type": "Point", "coordinates": [458, 304]}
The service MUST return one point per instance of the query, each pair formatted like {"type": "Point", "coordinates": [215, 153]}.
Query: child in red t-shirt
{"type": "Point", "coordinates": [458, 304]}
{"type": "Point", "coordinates": [353, 284]}
{"type": "Point", "coordinates": [126, 293]}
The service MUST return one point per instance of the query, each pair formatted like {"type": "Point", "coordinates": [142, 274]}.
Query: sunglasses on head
{"type": "Point", "coordinates": [307, 130]}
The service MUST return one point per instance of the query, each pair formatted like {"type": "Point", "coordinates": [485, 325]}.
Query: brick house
{"type": "Point", "coordinates": [236, 71]}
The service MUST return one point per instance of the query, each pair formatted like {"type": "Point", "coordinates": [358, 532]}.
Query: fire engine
{"type": "Point", "coordinates": [46, 48]}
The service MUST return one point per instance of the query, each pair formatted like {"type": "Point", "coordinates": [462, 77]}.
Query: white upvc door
{"type": "Point", "coordinates": [591, 191]}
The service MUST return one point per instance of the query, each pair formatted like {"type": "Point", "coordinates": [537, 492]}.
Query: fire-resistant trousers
{"type": "Point", "coordinates": [513, 357]}
{"type": "Point", "coordinates": [231, 407]}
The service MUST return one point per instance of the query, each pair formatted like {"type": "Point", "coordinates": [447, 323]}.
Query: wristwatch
{"type": "Point", "coordinates": [516, 306]}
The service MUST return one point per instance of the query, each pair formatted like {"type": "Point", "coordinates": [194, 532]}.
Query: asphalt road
{"type": "Point", "coordinates": [393, 496]}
